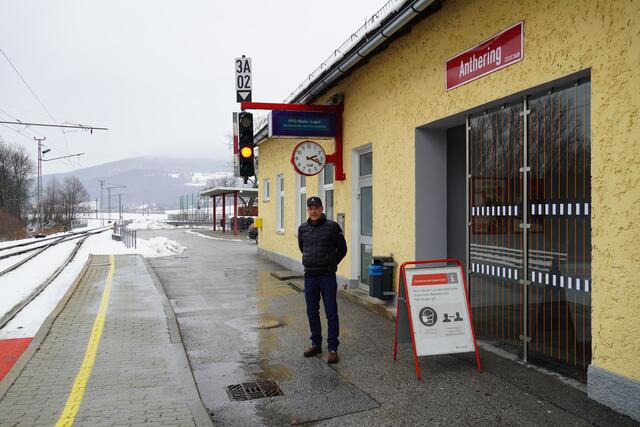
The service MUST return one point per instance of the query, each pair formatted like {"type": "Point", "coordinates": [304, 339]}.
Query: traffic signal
{"type": "Point", "coordinates": [245, 145]}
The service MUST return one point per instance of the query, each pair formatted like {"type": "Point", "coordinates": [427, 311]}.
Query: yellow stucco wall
{"type": "Point", "coordinates": [275, 159]}
{"type": "Point", "coordinates": [403, 87]}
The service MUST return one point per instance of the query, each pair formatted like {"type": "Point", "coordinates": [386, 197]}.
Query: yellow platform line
{"type": "Point", "coordinates": [77, 391]}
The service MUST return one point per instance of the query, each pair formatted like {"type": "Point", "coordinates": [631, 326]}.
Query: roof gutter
{"type": "Point", "coordinates": [315, 87]}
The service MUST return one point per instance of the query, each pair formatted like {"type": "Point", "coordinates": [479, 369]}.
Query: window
{"type": "Point", "coordinates": [280, 204]}
{"type": "Point", "coordinates": [325, 185]}
{"type": "Point", "coordinates": [267, 189]}
{"type": "Point", "coordinates": [366, 164]}
{"type": "Point", "coordinates": [301, 184]}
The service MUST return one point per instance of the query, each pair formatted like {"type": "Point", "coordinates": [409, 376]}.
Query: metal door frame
{"type": "Point", "coordinates": [356, 211]}
{"type": "Point", "coordinates": [524, 226]}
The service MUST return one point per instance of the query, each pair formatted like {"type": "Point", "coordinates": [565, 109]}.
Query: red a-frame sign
{"type": "Point", "coordinates": [433, 310]}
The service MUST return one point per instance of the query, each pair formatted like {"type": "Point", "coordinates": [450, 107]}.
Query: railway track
{"type": "Point", "coordinates": [37, 246]}
{"type": "Point", "coordinates": [83, 236]}
{"type": "Point", "coordinates": [45, 239]}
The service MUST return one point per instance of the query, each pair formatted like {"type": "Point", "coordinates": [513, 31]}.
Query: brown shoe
{"type": "Point", "coordinates": [333, 357]}
{"type": "Point", "coordinates": [312, 351]}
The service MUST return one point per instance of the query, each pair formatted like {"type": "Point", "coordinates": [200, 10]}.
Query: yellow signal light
{"type": "Point", "coordinates": [246, 152]}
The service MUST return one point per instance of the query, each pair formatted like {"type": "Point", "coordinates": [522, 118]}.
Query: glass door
{"type": "Point", "coordinates": [365, 209]}
{"type": "Point", "coordinates": [495, 234]}
{"type": "Point", "coordinates": [530, 227]}
{"type": "Point", "coordinates": [559, 249]}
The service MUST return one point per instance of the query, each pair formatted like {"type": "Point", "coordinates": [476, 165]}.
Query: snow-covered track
{"type": "Point", "coordinates": [36, 291]}
{"type": "Point", "coordinates": [45, 239]}
{"type": "Point", "coordinates": [39, 249]}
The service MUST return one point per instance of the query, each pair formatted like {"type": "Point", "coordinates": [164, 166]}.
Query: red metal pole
{"type": "Point", "coordinates": [290, 107]}
{"type": "Point", "coordinates": [214, 212]}
{"type": "Point", "coordinates": [224, 212]}
{"type": "Point", "coordinates": [235, 213]}
{"type": "Point", "coordinates": [398, 302]}
{"type": "Point", "coordinates": [339, 170]}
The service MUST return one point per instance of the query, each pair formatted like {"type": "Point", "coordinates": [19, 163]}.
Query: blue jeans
{"type": "Point", "coordinates": [327, 287]}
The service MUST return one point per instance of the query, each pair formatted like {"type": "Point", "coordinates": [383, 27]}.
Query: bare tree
{"type": "Point", "coordinates": [22, 168]}
{"type": "Point", "coordinates": [16, 175]}
{"type": "Point", "coordinates": [74, 194]}
{"type": "Point", "coordinates": [51, 202]}
{"type": "Point", "coordinates": [224, 181]}
{"type": "Point", "coordinates": [233, 181]}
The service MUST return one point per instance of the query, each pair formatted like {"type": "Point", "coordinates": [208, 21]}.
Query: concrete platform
{"type": "Point", "coordinates": [109, 354]}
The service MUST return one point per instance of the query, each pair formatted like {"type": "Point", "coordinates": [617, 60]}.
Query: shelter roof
{"type": "Point", "coordinates": [221, 191]}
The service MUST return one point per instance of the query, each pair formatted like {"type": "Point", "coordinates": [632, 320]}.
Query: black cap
{"type": "Point", "coordinates": [314, 201]}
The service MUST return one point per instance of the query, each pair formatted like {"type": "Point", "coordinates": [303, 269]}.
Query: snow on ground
{"type": "Point", "coordinates": [195, 233]}
{"type": "Point", "coordinates": [149, 224]}
{"type": "Point", "coordinates": [8, 262]}
{"type": "Point", "coordinates": [159, 246]}
{"type": "Point", "coordinates": [17, 284]}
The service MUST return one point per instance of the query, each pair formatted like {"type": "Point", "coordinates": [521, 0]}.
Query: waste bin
{"type": "Point", "coordinates": [381, 277]}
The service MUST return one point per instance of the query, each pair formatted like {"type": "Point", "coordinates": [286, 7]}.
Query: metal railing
{"type": "Point", "coordinates": [125, 235]}
{"type": "Point", "coordinates": [191, 216]}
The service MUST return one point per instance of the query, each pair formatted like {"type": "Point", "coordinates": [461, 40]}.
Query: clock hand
{"type": "Point", "coordinates": [314, 158]}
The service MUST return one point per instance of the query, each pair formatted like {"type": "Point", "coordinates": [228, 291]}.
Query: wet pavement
{"type": "Point", "coordinates": [239, 324]}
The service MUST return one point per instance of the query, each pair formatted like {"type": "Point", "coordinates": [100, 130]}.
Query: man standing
{"type": "Point", "coordinates": [323, 247]}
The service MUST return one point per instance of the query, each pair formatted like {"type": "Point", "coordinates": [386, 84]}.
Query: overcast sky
{"type": "Point", "coordinates": [158, 74]}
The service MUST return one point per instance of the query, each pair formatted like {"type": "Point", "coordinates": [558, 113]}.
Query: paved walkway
{"type": "Point", "coordinates": [111, 356]}
{"type": "Point", "coordinates": [240, 324]}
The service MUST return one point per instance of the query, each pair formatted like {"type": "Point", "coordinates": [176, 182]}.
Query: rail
{"type": "Point", "coordinates": [39, 249]}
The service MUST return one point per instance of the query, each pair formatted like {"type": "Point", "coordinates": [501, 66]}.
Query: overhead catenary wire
{"type": "Point", "coordinates": [26, 84]}
{"type": "Point", "coordinates": [24, 133]}
{"type": "Point", "coordinates": [66, 140]}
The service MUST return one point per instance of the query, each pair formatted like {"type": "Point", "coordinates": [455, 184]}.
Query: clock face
{"type": "Point", "coordinates": [308, 158]}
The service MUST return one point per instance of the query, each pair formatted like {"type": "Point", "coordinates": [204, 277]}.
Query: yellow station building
{"type": "Point", "coordinates": [530, 174]}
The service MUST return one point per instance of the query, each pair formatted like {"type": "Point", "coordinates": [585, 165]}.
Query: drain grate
{"type": "Point", "coordinates": [254, 390]}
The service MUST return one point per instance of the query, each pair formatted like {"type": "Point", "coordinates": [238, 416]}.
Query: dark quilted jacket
{"type": "Point", "coordinates": [322, 245]}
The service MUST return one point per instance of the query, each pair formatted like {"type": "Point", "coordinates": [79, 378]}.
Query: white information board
{"type": "Point", "coordinates": [243, 79]}
{"type": "Point", "coordinates": [439, 313]}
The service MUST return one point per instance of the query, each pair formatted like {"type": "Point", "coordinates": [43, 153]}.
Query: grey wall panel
{"type": "Point", "coordinates": [431, 193]}
{"type": "Point", "coordinates": [456, 193]}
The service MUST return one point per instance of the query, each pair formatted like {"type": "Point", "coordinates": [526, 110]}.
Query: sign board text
{"type": "Point", "coordinates": [499, 51]}
{"type": "Point", "coordinates": [243, 79]}
{"type": "Point", "coordinates": [302, 124]}
{"type": "Point", "coordinates": [438, 303]}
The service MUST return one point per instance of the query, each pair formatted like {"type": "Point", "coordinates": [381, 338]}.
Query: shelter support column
{"type": "Point", "coordinates": [214, 212]}
{"type": "Point", "coordinates": [224, 212]}
{"type": "Point", "coordinates": [235, 213]}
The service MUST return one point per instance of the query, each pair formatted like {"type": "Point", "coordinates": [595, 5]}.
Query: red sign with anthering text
{"type": "Point", "coordinates": [501, 50]}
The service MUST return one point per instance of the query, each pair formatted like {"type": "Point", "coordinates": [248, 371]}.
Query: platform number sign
{"type": "Point", "coordinates": [243, 79]}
